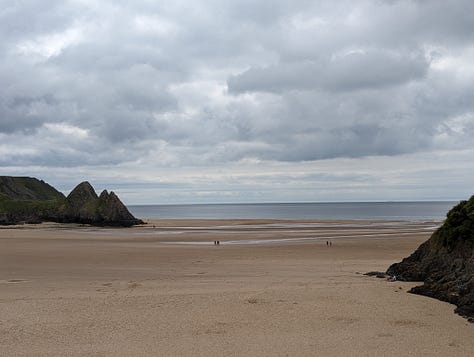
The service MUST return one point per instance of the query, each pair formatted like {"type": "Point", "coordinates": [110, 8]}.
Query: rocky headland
{"type": "Point", "coordinates": [29, 200]}
{"type": "Point", "coordinates": [445, 262]}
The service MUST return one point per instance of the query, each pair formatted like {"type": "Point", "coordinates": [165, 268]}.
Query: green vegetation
{"type": "Point", "coordinates": [27, 199]}
{"type": "Point", "coordinates": [27, 188]}
{"type": "Point", "coordinates": [459, 224]}
{"type": "Point", "coordinates": [41, 188]}
{"type": "Point", "coordinates": [36, 208]}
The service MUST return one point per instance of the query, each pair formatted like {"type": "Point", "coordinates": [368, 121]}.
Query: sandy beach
{"type": "Point", "coordinates": [271, 288]}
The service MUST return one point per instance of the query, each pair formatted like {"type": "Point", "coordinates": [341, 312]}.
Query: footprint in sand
{"type": "Point", "coordinates": [105, 288]}
{"type": "Point", "coordinates": [13, 281]}
{"type": "Point", "coordinates": [254, 300]}
{"type": "Point", "coordinates": [407, 322]}
{"type": "Point", "coordinates": [132, 285]}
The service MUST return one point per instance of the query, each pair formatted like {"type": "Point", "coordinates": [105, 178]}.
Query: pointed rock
{"type": "Point", "coordinates": [104, 195]}
{"type": "Point", "coordinates": [114, 212]}
{"type": "Point", "coordinates": [81, 204]}
{"type": "Point", "coordinates": [82, 193]}
{"type": "Point", "coordinates": [84, 206]}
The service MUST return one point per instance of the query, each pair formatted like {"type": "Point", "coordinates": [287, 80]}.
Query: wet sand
{"type": "Point", "coordinates": [271, 288]}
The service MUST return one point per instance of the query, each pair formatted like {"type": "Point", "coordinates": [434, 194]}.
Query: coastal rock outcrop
{"type": "Point", "coordinates": [29, 200]}
{"type": "Point", "coordinates": [445, 262]}
{"type": "Point", "coordinates": [84, 206]}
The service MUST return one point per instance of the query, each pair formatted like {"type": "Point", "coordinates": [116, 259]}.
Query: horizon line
{"type": "Point", "coordinates": [289, 202]}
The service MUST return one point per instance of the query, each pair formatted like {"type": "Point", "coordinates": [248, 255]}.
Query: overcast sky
{"type": "Point", "coordinates": [239, 100]}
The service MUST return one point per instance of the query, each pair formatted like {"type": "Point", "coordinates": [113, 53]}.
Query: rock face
{"type": "Point", "coordinates": [28, 200]}
{"type": "Point", "coordinates": [445, 263]}
{"type": "Point", "coordinates": [84, 206]}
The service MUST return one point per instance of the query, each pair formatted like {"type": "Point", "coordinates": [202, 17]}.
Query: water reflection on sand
{"type": "Point", "coordinates": [273, 232]}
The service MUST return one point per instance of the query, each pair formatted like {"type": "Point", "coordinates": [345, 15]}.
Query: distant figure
{"type": "Point", "coordinates": [330, 244]}
{"type": "Point", "coordinates": [218, 242]}
{"type": "Point", "coordinates": [327, 243]}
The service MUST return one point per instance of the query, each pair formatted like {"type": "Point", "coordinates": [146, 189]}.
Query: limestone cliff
{"type": "Point", "coordinates": [84, 206]}
{"type": "Point", "coordinates": [445, 263]}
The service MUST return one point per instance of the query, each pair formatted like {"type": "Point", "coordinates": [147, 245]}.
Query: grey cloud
{"type": "Point", "coordinates": [26, 114]}
{"type": "Point", "coordinates": [306, 80]}
{"type": "Point", "coordinates": [351, 141]}
{"type": "Point", "coordinates": [22, 19]}
{"type": "Point", "coordinates": [13, 122]}
{"type": "Point", "coordinates": [53, 147]}
{"type": "Point", "coordinates": [437, 21]}
{"type": "Point", "coordinates": [343, 73]}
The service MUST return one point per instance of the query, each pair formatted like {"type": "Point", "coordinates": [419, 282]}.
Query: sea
{"type": "Point", "coordinates": [405, 211]}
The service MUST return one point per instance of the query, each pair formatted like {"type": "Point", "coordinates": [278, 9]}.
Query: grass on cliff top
{"type": "Point", "coordinates": [41, 189]}
{"type": "Point", "coordinates": [459, 224]}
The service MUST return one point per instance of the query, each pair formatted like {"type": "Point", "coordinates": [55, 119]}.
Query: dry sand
{"type": "Point", "coordinates": [166, 290]}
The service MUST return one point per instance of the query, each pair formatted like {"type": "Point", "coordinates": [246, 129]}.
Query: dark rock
{"type": "Point", "coordinates": [80, 205]}
{"type": "Point", "coordinates": [377, 274]}
{"type": "Point", "coordinates": [81, 195]}
{"type": "Point", "coordinates": [113, 210]}
{"type": "Point", "coordinates": [84, 206]}
{"type": "Point", "coordinates": [445, 263]}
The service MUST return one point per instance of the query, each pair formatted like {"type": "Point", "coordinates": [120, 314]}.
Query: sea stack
{"type": "Point", "coordinates": [445, 263]}
{"type": "Point", "coordinates": [84, 206]}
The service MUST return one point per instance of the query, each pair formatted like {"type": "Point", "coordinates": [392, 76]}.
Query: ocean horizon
{"type": "Point", "coordinates": [409, 210]}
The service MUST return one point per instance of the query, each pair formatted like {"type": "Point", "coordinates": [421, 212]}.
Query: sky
{"type": "Point", "coordinates": [213, 101]}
